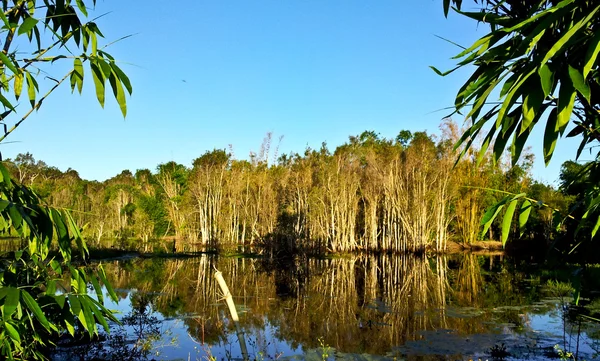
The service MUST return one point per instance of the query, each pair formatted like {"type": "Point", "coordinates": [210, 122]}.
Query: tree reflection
{"type": "Point", "coordinates": [355, 304]}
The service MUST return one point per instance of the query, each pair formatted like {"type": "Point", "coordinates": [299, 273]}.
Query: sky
{"type": "Point", "coordinates": [214, 74]}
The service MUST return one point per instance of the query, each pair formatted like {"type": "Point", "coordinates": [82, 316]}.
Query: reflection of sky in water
{"type": "Point", "coordinates": [177, 344]}
{"type": "Point", "coordinates": [533, 342]}
{"type": "Point", "coordinates": [396, 306]}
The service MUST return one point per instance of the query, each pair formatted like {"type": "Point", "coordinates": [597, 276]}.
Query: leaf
{"type": "Point", "coordinates": [547, 79]}
{"type": "Point", "coordinates": [117, 87]}
{"type": "Point", "coordinates": [573, 29]}
{"type": "Point", "coordinates": [10, 302]}
{"type": "Point", "coordinates": [97, 288]}
{"type": "Point", "coordinates": [81, 7]}
{"type": "Point", "coordinates": [33, 306]}
{"type": "Point", "coordinates": [566, 101]}
{"type": "Point", "coordinates": [88, 317]}
{"type": "Point", "coordinates": [28, 24]}
{"type": "Point", "coordinates": [107, 284]}
{"type": "Point", "coordinates": [531, 105]}
{"type": "Point", "coordinates": [507, 221]}
{"type": "Point", "coordinates": [98, 82]}
{"type": "Point", "coordinates": [8, 62]}
{"type": "Point", "coordinates": [550, 136]}
{"type": "Point", "coordinates": [440, 73]}
{"type": "Point", "coordinates": [492, 213]}
{"type": "Point", "coordinates": [6, 103]}
{"type": "Point", "coordinates": [12, 332]}
{"type": "Point", "coordinates": [32, 88]}
{"type": "Point", "coordinates": [18, 84]}
{"type": "Point", "coordinates": [524, 215]}
{"type": "Point", "coordinates": [512, 96]}
{"type": "Point", "coordinates": [98, 315]}
{"type": "Point", "coordinates": [4, 20]}
{"type": "Point", "coordinates": [122, 77]}
{"type": "Point", "coordinates": [591, 54]}
{"type": "Point", "coordinates": [579, 83]}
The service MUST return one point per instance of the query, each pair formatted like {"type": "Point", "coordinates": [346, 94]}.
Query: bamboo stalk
{"type": "Point", "coordinates": [233, 312]}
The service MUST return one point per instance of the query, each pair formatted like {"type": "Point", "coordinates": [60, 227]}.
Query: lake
{"type": "Point", "coordinates": [457, 307]}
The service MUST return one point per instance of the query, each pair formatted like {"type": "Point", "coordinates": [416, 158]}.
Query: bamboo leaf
{"type": "Point", "coordinates": [77, 75]}
{"type": "Point", "coordinates": [11, 301]}
{"type": "Point", "coordinates": [117, 88]}
{"type": "Point", "coordinates": [32, 88]}
{"type": "Point", "coordinates": [99, 82]}
{"type": "Point", "coordinates": [547, 79]}
{"type": "Point", "coordinates": [579, 83]}
{"type": "Point", "coordinates": [550, 136]}
{"type": "Point", "coordinates": [566, 101]}
{"type": "Point", "coordinates": [18, 84]}
{"type": "Point", "coordinates": [507, 221]}
{"type": "Point", "coordinates": [88, 317]}
{"type": "Point", "coordinates": [560, 44]}
{"type": "Point", "coordinates": [33, 306]}
{"type": "Point", "coordinates": [107, 284]}
{"type": "Point", "coordinates": [97, 288]}
{"type": "Point", "coordinates": [28, 24]}
{"type": "Point", "coordinates": [12, 332]}
{"type": "Point", "coordinates": [591, 54]}
{"type": "Point", "coordinates": [524, 215]}
{"type": "Point", "coordinates": [81, 7]}
{"type": "Point", "coordinates": [8, 62]}
{"type": "Point", "coordinates": [122, 77]}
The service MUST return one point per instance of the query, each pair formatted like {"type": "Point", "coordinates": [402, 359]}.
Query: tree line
{"type": "Point", "coordinates": [371, 193]}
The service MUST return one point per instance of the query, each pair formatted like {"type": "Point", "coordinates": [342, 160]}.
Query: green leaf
{"type": "Point", "coordinates": [11, 301]}
{"type": "Point", "coordinates": [33, 306]}
{"type": "Point", "coordinates": [98, 315]}
{"type": "Point", "coordinates": [99, 81]}
{"type": "Point", "coordinates": [512, 96]}
{"type": "Point", "coordinates": [88, 317]}
{"type": "Point", "coordinates": [507, 221]}
{"type": "Point", "coordinates": [591, 54]}
{"type": "Point", "coordinates": [8, 62]}
{"type": "Point", "coordinates": [107, 284]}
{"type": "Point", "coordinates": [550, 136]}
{"type": "Point", "coordinates": [573, 29]}
{"type": "Point", "coordinates": [28, 24]}
{"type": "Point", "coordinates": [117, 88]}
{"type": "Point", "coordinates": [524, 215]}
{"type": "Point", "coordinates": [566, 101]}
{"type": "Point", "coordinates": [32, 88]}
{"type": "Point", "coordinates": [77, 75]}
{"type": "Point", "coordinates": [547, 79]}
{"type": "Point", "coordinates": [6, 103]}
{"type": "Point", "coordinates": [4, 20]}
{"type": "Point", "coordinates": [122, 77]}
{"type": "Point", "coordinates": [579, 83]}
{"type": "Point", "coordinates": [12, 331]}
{"type": "Point", "coordinates": [531, 105]}
{"type": "Point", "coordinates": [81, 7]}
{"type": "Point", "coordinates": [18, 84]}
{"type": "Point", "coordinates": [97, 288]}
{"type": "Point", "coordinates": [440, 73]}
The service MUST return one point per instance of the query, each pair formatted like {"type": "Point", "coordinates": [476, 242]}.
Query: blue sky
{"type": "Point", "coordinates": [207, 74]}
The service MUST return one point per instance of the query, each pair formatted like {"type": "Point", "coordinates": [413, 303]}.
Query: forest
{"type": "Point", "coordinates": [407, 194]}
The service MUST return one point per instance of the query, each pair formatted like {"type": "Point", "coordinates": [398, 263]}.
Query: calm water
{"type": "Point", "coordinates": [404, 307]}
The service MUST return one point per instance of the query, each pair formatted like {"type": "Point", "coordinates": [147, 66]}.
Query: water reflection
{"type": "Point", "coordinates": [391, 306]}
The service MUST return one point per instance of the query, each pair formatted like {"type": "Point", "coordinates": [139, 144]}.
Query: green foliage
{"type": "Point", "coordinates": [55, 32]}
{"type": "Point", "coordinates": [38, 306]}
{"type": "Point", "coordinates": [541, 57]}
{"type": "Point", "coordinates": [38, 303]}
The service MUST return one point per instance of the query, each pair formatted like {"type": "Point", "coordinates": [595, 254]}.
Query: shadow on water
{"type": "Point", "coordinates": [403, 306]}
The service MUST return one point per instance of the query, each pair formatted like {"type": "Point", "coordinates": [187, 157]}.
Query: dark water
{"type": "Point", "coordinates": [366, 308]}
